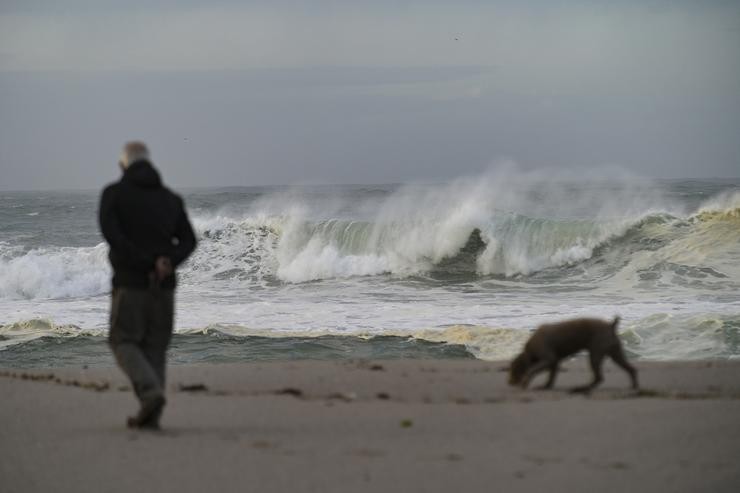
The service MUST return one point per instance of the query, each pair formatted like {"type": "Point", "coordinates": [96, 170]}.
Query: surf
{"type": "Point", "coordinates": [475, 228]}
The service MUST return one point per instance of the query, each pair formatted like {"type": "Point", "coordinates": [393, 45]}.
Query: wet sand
{"type": "Point", "coordinates": [407, 426]}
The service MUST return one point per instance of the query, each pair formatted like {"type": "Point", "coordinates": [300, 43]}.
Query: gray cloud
{"type": "Point", "coordinates": [260, 94]}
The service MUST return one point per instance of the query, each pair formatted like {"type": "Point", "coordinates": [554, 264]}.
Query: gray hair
{"type": "Point", "coordinates": [133, 151]}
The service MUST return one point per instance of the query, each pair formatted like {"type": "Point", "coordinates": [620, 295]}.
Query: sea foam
{"type": "Point", "coordinates": [526, 224]}
{"type": "Point", "coordinates": [502, 223]}
{"type": "Point", "coordinates": [65, 272]}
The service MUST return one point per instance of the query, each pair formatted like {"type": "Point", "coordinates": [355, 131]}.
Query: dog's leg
{"type": "Point", "coordinates": [617, 355]}
{"type": "Point", "coordinates": [551, 379]}
{"type": "Point", "coordinates": [596, 358]}
{"type": "Point", "coordinates": [534, 370]}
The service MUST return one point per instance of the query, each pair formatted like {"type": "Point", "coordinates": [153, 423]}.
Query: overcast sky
{"type": "Point", "coordinates": [278, 92]}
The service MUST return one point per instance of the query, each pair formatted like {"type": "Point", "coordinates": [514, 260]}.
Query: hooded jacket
{"type": "Point", "coordinates": [141, 220]}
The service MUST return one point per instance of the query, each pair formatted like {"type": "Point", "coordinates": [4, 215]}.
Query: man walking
{"type": "Point", "coordinates": [149, 235]}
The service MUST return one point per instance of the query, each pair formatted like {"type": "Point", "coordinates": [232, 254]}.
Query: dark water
{"type": "Point", "coordinates": [56, 352]}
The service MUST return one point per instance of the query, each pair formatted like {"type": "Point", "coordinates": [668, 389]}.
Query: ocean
{"type": "Point", "coordinates": [464, 269]}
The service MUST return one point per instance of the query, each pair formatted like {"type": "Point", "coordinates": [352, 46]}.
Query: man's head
{"type": "Point", "coordinates": [133, 151]}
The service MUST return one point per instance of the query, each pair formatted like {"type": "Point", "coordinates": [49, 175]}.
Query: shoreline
{"type": "Point", "coordinates": [380, 425]}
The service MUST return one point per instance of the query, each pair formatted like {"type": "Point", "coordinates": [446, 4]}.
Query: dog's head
{"type": "Point", "coordinates": [518, 368]}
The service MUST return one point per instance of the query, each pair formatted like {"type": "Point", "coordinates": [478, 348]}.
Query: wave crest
{"type": "Point", "coordinates": [725, 205]}
{"type": "Point", "coordinates": [483, 226]}
{"type": "Point", "coordinates": [55, 273]}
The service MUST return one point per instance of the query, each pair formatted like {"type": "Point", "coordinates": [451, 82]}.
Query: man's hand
{"type": "Point", "coordinates": [162, 268]}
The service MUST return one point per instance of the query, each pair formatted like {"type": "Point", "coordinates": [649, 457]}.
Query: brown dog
{"type": "Point", "coordinates": [551, 343]}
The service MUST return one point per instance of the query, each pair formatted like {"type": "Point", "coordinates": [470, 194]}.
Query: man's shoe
{"type": "Point", "coordinates": [133, 422]}
{"type": "Point", "coordinates": [148, 417]}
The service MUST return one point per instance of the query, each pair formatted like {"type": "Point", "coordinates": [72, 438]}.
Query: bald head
{"type": "Point", "coordinates": [133, 151]}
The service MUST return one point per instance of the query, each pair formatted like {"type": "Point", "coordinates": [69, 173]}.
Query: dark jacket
{"type": "Point", "coordinates": [141, 220]}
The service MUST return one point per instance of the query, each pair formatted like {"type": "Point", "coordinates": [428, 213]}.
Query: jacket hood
{"type": "Point", "coordinates": [142, 174]}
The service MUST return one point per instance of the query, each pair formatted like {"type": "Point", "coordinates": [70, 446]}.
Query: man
{"type": "Point", "coordinates": [149, 235]}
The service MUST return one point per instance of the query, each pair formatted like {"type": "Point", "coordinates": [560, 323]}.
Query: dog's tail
{"type": "Point", "coordinates": [615, 322]}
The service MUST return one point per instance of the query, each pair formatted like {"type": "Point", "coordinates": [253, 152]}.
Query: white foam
{"type": "Point", "coordinates": [528, 222]}
{"type": "Point", "coordinates": [416, 227]}
{"type": "Point", "coordinates": [658, 336]}
{"type": "Point", "coordinates": [35, 328]}
{"type": "Point", "coordinates": [668, 336]}
{"type": "Point", "coordinates": [726, 203]}
{"type": "Point", "coordinates": [55, 273]}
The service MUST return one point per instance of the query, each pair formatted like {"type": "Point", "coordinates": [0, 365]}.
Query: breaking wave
{"type": "Point", "coordinates": [463, 241]}
{"type": "Point", "coordinates": [473, 227]}
{"type": "Point", "coordinates": [66, 272]}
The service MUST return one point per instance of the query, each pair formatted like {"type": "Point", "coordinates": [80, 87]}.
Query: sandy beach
{"type": "Point", "coordinates": [414, 425]}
